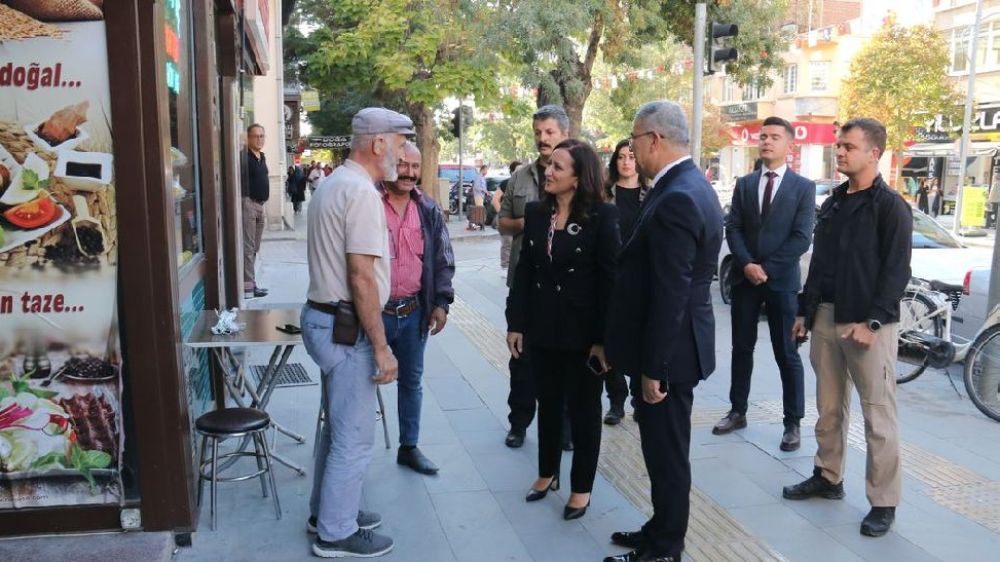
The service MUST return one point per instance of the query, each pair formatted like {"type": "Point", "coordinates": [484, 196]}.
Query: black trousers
{"type": "Point", "coordinates": [522, 397]}
{"type": "Point", "coordinates": [665, 431]}
{"type": "Point", "coordinates": [565, 383]}
{"type": "Point", "coordinates": [616, 387]}
{"type": "Point", "coordinates": [781, 308]}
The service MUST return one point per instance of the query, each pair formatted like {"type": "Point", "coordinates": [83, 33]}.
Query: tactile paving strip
{"type": "Point", "coordinates": [713, 534]}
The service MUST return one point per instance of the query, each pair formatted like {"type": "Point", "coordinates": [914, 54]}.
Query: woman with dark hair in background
{"type": "Point", "coordinates": [558, 303]}
{"type": "Point", "coordinates": [923, 192]}
{"type": "Point", "coordinates": [627, 189]}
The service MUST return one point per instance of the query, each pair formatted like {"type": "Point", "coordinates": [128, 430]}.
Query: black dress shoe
{"type": "Point", "coordinates": [641, 555]}
{"type": "Point", "coordinates": [791, 440]}
{"type": "Point", "coordinates": [816, 486]}
{"type": "Point", "coordinates": [629, 539]}
{"type": "Point", "coordinates": [729, 423]}
{"type": "Point", "coordinates": [515, 439]}
{"type": "Point", "coordinates": [878, 521]}
{"type": "Point", "coordinates": [614, 415]}
{"type": "Point", "coordinates": [571, 513]}
{"type": "Point", "coordinates": [535, 495]}
{"type": "Point", "coordinates": [413, 458]}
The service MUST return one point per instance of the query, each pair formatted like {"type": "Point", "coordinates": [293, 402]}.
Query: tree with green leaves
{"type": "Point", "coordinates": [557, 42]}
{"type": "Point", "coordinates": [408, 55]}
{"type": "Point", "coordinates": [899, 78]}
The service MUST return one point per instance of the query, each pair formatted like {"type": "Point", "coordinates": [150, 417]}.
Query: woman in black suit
{"type": "Point", "coordinates": [559, 302]}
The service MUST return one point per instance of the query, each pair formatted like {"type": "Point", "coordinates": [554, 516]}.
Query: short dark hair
{"type": "Point", "coordinates": [778, 121]}
{"type": "Point", "coordinates": [515, 164]}
{"type": "Point", "coordinates": [874, 131]}
{"type": "Point", "coordinates": [255, 126]}
{"type": "Point", "coordinates": [589, 179]}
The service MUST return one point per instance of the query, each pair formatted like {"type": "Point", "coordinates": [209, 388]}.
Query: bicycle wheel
{"type": "Point", "coordinates": [914, 316]}
{"type": "Point", "coordinates": [982, 372]}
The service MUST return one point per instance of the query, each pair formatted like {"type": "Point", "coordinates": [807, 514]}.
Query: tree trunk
{"type": "Point", "coordinates": [429, 147]}
{"type": "Point", "coordinates": [573, 78]}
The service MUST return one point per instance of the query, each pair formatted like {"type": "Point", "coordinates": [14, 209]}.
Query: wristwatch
{"type": "Point", "coordinates": [874, 325]}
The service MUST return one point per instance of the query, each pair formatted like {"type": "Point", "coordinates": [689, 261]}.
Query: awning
{"type": "Point", "coordinates": [932, 149]}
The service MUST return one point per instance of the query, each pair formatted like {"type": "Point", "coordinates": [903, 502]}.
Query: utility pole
{"type": "Point", "coordinates": [697, 101]}
{"type": "Point", "coordinates": [963, 151]}
{"type": "Point", "coordinates": [461, 186]}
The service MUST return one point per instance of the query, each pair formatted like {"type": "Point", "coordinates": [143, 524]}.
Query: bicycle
{"type": "Point", "coordinates": [925, 340]}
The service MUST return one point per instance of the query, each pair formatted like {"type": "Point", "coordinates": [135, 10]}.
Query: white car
{"type": "Point", "coordinates": [973, 307]}
{"type": "Point", "coordinates": [936, 255]}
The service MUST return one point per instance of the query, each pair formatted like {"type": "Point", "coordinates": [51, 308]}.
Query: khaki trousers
{"type": "Point", "coordinates": [839, 364]}
{"type": "Point", "coordinates": [253, 229]}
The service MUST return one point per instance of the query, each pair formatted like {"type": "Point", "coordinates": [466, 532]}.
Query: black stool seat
{"type": "Point", "coordinates": [233, 420]}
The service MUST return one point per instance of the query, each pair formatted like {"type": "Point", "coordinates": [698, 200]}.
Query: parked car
{"type": "Point", "coordinates": [823, 190]}
{"type": "Point", "coordinates": [973, 307]}
{"type": "Point", "coordinates": [936, 255]}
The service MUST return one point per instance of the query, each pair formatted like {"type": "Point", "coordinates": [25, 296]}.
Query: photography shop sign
{"type": "Point", "coordinates": [336, 142]}
{"type": "Point", "coordinates": [746, 111]}
{"type": "Point", "coordinates": [985, 126]}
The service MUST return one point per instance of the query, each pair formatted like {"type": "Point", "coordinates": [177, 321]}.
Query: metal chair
{"type": "Point", "coordinates": [230, 423]}
{"type": "Point", "coordinates": [321, 419]}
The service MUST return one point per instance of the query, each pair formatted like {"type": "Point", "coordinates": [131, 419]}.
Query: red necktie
{"type": "Point", "coordinates": [766, 204]}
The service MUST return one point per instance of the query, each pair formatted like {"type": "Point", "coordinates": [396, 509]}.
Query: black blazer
{"type": "Point", "coordinates": [777, 242]}
{"type": "Point", "coordinates": [660, 323]}
{"type": "Point", "coordinates": [563, 303]}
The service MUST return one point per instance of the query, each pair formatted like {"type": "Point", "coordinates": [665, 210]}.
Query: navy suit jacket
{"type": "Point", "coordinates": [660, 323]}
{"type": "Point", "coordinates": [779, 240]}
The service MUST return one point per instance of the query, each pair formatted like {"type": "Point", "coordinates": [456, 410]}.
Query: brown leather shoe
{"type": "Point", "coordinates": [731, 422]}
{"type": "Point", "coordinates": [791, 440]}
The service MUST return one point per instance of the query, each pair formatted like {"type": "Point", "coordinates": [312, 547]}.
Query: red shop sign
{"type": "Point", "coordinates": [805, 133]}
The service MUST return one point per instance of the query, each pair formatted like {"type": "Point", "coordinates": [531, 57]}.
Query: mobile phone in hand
{"type": "Point", "coordinates": [594, 364]}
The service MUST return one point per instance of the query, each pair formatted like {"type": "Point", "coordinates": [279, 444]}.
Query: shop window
{"type": "Point", "coordinates": [819, 76]}
{"type": "Point", "coordinates": [791, 78]}
{"type": "Point", "coordinates": [179, 81]}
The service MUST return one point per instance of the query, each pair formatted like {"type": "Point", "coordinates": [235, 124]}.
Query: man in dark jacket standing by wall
{"type": "Point", "coordinates": [768, 228]}
{"type": "Point", "coordinates": [660, 327]}
{"type": "Point", "coordinates": [859, 270]}
{"type": "Point", "coordinates": [422, 267]}
{"type": "Point", "coordinates": [256, 188]}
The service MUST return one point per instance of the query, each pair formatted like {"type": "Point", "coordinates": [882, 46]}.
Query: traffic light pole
{"type": "Point", "coordinates": [697, 99]}
{"type": "Point", "coordinates": [461, 185]}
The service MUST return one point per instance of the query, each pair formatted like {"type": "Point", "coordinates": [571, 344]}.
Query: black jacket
{"type": "Point", "coordinates": [778, 241]}
{"type": "Point", "coordinates": [661, 323]}
{"type": "Point", "coordinates": [874, 257]}
{"type": "Point", "coordinates": [563, 303]}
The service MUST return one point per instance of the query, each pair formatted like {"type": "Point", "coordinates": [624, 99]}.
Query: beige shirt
{"type": "Point", "coordinates": [345, 217]}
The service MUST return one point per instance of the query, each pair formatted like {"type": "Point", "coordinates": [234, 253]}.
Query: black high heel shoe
{"type": "Point", "coordinates": [535, 495]}
{"type": "Point", "coordinates": [570, 513]}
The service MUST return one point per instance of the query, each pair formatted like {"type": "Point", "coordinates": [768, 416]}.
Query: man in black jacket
{"type": "Point", "coordinates": [859, 271]}
{"type": "Point", "coordinates": [768, 228]}
{"type": "Point", "coordinates": [660, 327]}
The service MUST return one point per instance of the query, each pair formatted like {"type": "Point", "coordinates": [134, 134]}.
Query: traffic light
{"type": "Point", "coordinates": [723, 54]}
{"type": "Point", "coordinates": [456, 123]}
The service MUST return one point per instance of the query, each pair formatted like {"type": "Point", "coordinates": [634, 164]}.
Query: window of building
{"type": "Point", "coordinates": [819, 76]}
{"type": "Point", "coordinates": [179, 81]}
{"type": "Point", "coordinates": [728, 89]}
{"type": "Point", "coordinates": [791, 78]}
{"type": "Point", "coordinates": [753, 92]}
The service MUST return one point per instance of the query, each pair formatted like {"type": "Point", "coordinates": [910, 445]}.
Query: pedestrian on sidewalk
{"type": "Point", "coordinates": [348, 254]}
{"type": "Point", "coordinates": [660, 323]}
{"type": "Point", "coordinates": [626, 189]}
{"type": "Point", "coordinates": [296, 187]}
{"type": "Point", "coordinates": [422, 267]}
{"type": "Point", "coordinates": [558, 305]}
{"type": "Point", "coordinates": [923, 192]}
{"type": "Point", "coordinates": [477, 214]}
{"type": "Point", "coordinates": [859, 270]}
{"type": "Point", "coordinates": [768, 228]}
{"type": "Point", "coordinates": [551, 126]}
{"type": "Point", "coordinates": [935, 198]}
{"type": "Point", "coordinates": [505, 239]}
{"type": "Point", "coordinates": [315, 175]}
{"type": "Point", "coordinates": [256, 189]}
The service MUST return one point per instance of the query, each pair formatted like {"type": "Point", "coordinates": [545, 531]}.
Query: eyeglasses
{"type": "Point", "coordinates": [631, 138]}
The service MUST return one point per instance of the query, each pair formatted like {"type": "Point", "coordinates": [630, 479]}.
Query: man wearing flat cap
{"type": "Point", "coordinates": [349, 265]}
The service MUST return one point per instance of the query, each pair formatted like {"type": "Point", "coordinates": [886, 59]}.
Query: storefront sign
{"type": "Point", "coordinates": [805, 133]}
{"type": "Point", "coordinates": [974, 206]}
{"type": "Point", "coordinates": [310, 100]}
{"type": "Point", "coordinates": [334, 142]}
{"type": "Point", "coordinates": [985, 126]}
{"type": "Point", "coordinates": [60, 360]}
{"type": "Point", "coordinates": [739, 111]}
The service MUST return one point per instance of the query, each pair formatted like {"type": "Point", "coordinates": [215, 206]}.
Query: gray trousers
{"type": "Point", "coordinates": [345, 446]}
{"type": "Point", "coordinates": [253, 230]}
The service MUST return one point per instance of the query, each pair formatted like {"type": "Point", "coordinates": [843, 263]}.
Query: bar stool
{"type": "Point", "coordinates": [228, 423]}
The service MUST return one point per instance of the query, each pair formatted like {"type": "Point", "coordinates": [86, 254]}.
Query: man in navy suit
{"type": "Point", "coordinates": [769, 227]}
{"type": "Point", "coordinates": [660, 327]}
